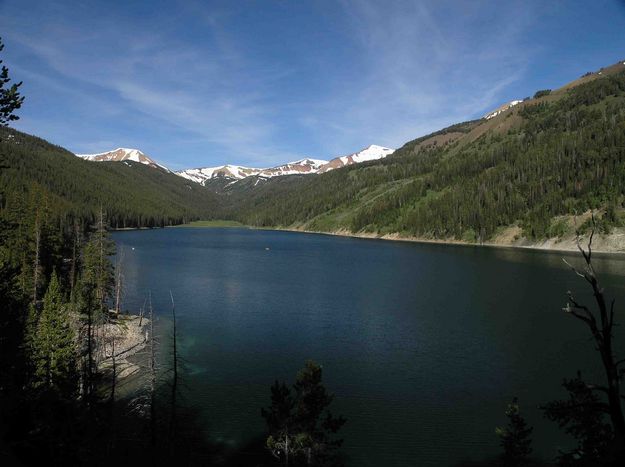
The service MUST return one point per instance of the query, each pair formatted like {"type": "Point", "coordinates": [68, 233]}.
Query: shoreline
{"type": "Point", "coordinates": [556, 245]}
{"type": "Point", "coordinates": [117, 342]}
{"type": "Point", "coordinates": [545, 246]}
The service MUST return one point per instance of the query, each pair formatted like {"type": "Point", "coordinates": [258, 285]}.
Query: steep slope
{"type": "Point", "coordinates": [132, 194]}
{"type": "Point", "coordinates": [523, 168]}
{"type": "Point", "coordinates": [121, 155]}
{"type": "Point", "coordinates": [370, 153]}
{"type": "Point", "coordinates": [501, 109]}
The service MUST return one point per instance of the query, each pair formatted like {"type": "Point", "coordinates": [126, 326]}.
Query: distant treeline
{"type": "Point", "coordinates": [131, 194]}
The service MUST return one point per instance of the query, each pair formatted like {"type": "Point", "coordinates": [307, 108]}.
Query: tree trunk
{"type": "Point", "coordinates": [174, 385]}
{"type": "Point", "coordinates": [152, 376]}
{"type": "Point", "coordinates": [36, 263]}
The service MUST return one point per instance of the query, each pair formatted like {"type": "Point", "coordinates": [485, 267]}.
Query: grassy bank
{"type": "Point", "coordinates": [213, 223]}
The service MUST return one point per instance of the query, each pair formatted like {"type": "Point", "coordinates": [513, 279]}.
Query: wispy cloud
{"type": "Point", "coordinates": [200, 91]}
{"type": "Point", "coordinates": [410, 67]}
{"type": "Point", "coordinates": [421, 69]}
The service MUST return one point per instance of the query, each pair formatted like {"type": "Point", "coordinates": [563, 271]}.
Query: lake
{"type": "Point", "coordinates": [423, 345]}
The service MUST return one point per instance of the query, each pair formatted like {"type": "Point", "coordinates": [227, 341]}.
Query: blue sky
{"type": "Point", "coordinates": [261, 82]}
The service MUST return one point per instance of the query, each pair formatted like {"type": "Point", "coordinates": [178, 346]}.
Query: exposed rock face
{"type": "Point", "coordinates": [300, 167]}
{"type": "Point", "coordinates": [123, 154]}
{"type": "Point", "coordinates": [370, 153]}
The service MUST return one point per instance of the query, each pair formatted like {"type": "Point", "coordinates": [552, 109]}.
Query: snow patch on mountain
{"type": "Point", "coordinates": [501, 109]}
{"type": "Point", "coordinates": [237, 172]}
{"type": "Point", "coordinates": [299, 167]}
{"type": "Point", "coordinates": [200, 175]}
{"type": "Point", "coordinates": [123, 154]}
{"type": "Point", "coordinates": [370, 153]}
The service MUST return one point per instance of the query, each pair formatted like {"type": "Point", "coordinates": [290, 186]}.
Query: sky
{"type": "Point", "coordinates": [261, 82]}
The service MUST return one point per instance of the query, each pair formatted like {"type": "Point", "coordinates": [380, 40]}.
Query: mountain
{"type": "Point", "coordinates": [132, 193]}
{"type": "Point", "coordinates": [237, 172]}
{"type": "Point", "coordinates": [519, 176]}
{"type": "Point", "coordinates": [231, 172]}
{"type": "Point", "coordinates": [370, 153]}
{"type": "Point", "coordinates": [123, 154]}
{"type": "Point", "coordinates": [301, 167]}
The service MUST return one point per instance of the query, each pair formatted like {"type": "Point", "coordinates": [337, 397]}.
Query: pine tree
{"type": "Point", "coordinates": [92, 293]}
{"type": "Point", "coordinates": [53, 347]}
{"type": "Point", "coordinates": [516, 437]}
{"type": "Point", "coordinates": [299, 421]}
{"type": "Point", "coordinates": [582, 417]}
{"type": "Point", "coordinates": [10, 99]}
{"type": "Point", "coordinates": [98, 273]}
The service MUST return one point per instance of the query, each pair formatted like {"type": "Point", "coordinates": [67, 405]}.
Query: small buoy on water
{"type": "Point", "coordinates": [267, 248]}
{"type": "Point", "coordinates": [133, 247]}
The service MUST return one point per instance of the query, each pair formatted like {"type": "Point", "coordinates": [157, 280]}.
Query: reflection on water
{"type": "Point", "coordinates": [423, 345]}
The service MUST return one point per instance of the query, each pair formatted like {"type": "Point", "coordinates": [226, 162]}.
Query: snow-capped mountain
{"type": "Point", "coordinates": [234, 173]}
{"type": "Point", "coordinates": [302, 166]}
{"type": "Point", "coordinates": [370, 153]}
{"type": "Point", "coordinates": [123, 154]}
{"type": "Point", "coordinates": [237, 172]}
{"type": "Point", "coordinates": [501, 109]}
{"type": "Point", "coordinates": [200, 175]}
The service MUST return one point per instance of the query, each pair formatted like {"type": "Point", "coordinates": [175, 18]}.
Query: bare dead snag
{"type": "Point", "coordinates": [174, 385]}
{"type": "Point", "coordinates": [152, 375]}
{"type": "Point", "coordinates": [119, 281]}
{"type": "Point", "coordinates": [600, 322]}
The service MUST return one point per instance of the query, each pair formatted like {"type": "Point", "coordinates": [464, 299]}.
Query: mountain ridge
{"type": "Point", "coordinates": [303, 166]}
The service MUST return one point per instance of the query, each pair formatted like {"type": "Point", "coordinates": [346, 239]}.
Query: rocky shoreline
{"type": "Point", "coordinates": [613, 243]}
{"type": "Point", "coordinates": [116, 341]}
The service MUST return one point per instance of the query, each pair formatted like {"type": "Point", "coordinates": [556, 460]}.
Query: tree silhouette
{"type": "Point", "coordinates": [299, 422]}
{"type": "Point", "coordinates": [589, 403]}
{"type": "Point", "coordinates": [10, 98]}
{"type": "Point", "coordinates": [516, 437]}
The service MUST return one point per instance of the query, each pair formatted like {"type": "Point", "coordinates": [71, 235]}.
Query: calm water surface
{"type": "Point", "coordinates": [422, 345]}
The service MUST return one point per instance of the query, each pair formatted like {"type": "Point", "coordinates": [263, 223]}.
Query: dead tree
{"type": "Point", "coordinates": [114, 369]}
{"type": "Point", "coordinates": [174, 383]}
{"type": "Point", "coordinates": [75, 254]}
{"type": "Point", "coordinates": [152, 375]}
{"type": "Point", "coordinates": [118, 282]}
{"type": "Point", "coordinates": [173, 314]}
{"type": "Point", "coordinates": [142, 311]}
{"type": "Point", "coordinates": [36, 262]}
{"type": "Point", "coordinates": [600, 322]}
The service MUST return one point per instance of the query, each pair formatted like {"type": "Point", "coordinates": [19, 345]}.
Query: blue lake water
{"type": "Point", "coordinates": [423, 345]}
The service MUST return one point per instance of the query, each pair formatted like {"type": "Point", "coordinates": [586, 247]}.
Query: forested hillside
{"type": "Point", "coordinates": [559, 153]}
{"type": "Point", "coordinates": [131, 194]}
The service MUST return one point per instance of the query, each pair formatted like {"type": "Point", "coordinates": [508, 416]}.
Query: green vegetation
{"type": "Point", "coordinates": [299, 422]}
{"type": "Point", "coordinates": [132, 194]}
{"type": "Point", "coordinates": [515, 439]}
{"type": "Point", "coordinates": [555, 158]}
{"type": "Point", "coordinates": [215, 223]}
{"type": "Point", "coordinates": [542, 93]}
{"type": "Point", "coordinates": [10, 98]}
